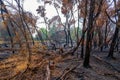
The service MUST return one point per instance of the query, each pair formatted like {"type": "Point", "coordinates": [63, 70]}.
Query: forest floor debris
{"type": "Point", "coordinates": [67, 68]}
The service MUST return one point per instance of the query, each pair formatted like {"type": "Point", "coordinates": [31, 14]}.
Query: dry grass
{"type": "Point", "coordinates": [17, 63]}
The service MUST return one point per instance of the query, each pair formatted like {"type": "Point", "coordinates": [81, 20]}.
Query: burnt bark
{"type": "Point", "coordinates": [89, 34]}
{"type": "Point", "coordinates": [83, 34]}
{"type": "Point", "coordinates": [115, 36]}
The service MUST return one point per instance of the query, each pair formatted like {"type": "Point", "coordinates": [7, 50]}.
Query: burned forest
{"type": "Point", "coordinates": [59, 40]}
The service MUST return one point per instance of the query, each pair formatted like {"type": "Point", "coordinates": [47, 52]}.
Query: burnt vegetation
{"type": "Point", "coordinates": [81, 42]}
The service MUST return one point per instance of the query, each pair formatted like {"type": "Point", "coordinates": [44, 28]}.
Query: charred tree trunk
{"type": "Point", "coordinates": [115, 36]}
{"type": "Point", "coordinates": [82, 47]}
{"type": "Point", "coordinates": [117, 44]}
{"type": "Point", "coordinates": [100, 39]}
{"type": "Point", "coordinates": [88, 41]}
{"type": "Point", "coordinates": [69, 35]}
{"type": "Point", "coordinates": [110, 55]}
{"type": "Point", "coordinates": [105, 38]}
{"type": "Point", "coordinates": [83, 34]}
{"type": "Point", "coordinates": [66, 31]}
